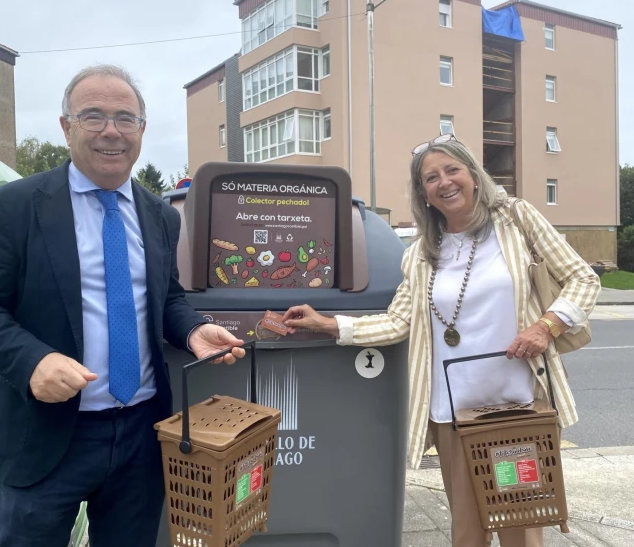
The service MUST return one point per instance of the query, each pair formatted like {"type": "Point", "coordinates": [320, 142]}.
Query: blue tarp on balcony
{"type": "Point", "coordinates": [505, 22]}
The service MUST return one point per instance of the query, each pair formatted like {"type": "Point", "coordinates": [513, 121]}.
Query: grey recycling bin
{"type": "Point", "coordinates": [258, 237]}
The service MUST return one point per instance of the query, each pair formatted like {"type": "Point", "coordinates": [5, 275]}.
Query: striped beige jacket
{"type": "Point", "coordinates": [409, 315]}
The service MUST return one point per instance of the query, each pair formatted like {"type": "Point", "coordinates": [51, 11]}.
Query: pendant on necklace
{"type": "Point", "coordinates": [452, 337]}
{"type": "Point", "coordinates": [459, 249]}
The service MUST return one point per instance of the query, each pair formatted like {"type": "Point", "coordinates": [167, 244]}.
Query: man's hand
{"type": "Point", "coordinates": [57, 378]}
{"type": "Point", "coordinates": [209, 339]}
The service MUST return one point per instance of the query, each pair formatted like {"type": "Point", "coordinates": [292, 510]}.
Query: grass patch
{"type": "Point", "coordinates": [618, 280]}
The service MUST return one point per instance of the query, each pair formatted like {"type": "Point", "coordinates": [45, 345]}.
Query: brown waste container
{"type": "Point", "coordinates": [218, 458]}
{"type": "Point", "coordinates": [514, 459]}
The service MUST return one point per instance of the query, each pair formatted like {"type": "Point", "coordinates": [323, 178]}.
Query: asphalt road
{"type": "Point", "coordinates": [602, 380]}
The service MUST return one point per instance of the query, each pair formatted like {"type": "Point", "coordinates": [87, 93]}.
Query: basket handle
{"type": "Point", "coordinates": [185, 445]}
{"type": "Point", "coordinates": [540, 371]}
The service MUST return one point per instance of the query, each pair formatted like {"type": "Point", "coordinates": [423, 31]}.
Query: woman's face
{"type": "Point", "coordinates": [449, 187]}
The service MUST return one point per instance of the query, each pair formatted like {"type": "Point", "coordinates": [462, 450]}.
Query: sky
{"type": "Point", "coordinates": [162, 69]}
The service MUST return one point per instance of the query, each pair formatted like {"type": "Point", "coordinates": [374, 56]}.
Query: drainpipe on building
{"type": "Point", "coordinates": [370, 14]}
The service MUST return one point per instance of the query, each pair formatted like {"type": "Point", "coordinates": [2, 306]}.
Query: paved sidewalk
{"type": "Point", "coordinates": [615, 297]}
{"type": "Point", "coordinates": [599, 490]}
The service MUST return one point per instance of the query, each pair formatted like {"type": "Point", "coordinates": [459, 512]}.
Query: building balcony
{"type": "Point", "coordinates": [498, 69]}
{"type": "Point", "coordinates": [499, 132]}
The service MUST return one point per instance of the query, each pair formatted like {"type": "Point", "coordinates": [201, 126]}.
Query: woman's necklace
{"type": "Point", "coordinates": [459, 244]}
{"type": "Point", "coordinates": [451, 336]}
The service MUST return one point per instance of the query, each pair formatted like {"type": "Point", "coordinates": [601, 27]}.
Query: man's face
{"type": "Point", "coordinates": [105, 157]}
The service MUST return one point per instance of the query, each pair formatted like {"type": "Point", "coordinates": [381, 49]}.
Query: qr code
{"type": "Point", "coordinates": [261, 236]}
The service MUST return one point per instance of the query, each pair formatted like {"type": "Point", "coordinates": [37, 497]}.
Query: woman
{"type": "Point", "coordinates": [466, 291]}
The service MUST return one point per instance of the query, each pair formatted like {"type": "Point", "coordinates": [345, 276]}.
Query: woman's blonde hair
{"type": "Point", "coordinates": [429, 220]}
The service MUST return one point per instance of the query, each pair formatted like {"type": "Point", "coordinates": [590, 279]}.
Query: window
{"type": "Point", "coordinates": [549, 36]}
{"type": "Point", "coordinates": [270, 139]}
{"type": "Point", "coordinates": [276, 137]}
{"type": "Point", "coordinates": [325, 62]}
{"type": "Point", "coordinates": [307, 13]}
{"type": "Point", "coordinates": [551, 192]}
{"type": "Point", "coordinates": [223, 136]}
{"type": "Point", "coordinates": [326, 129]}
{"type": "Point", "coordinates": [325, 6]}
{"type": "Point", "coordinates": [550, 89]}
{"type": "Point", "coordinates": [309, 132]}
{"type": "Point", "coordinates": [445, 13]}
{"type": "Point", "coordinates": [269, 79]}
{"type": "Point", "coordinates": [446, 70]}
{"type": "Point", "coordinates": [446, 125]}
{"type": "Point", "coordinates": [266, 22]}
{"type": "Point", "coordinates": [221, 91]}
{"type": "Point", "coordinates": [307, 69]}
{"type": "Point", "coordinates": [552, 142]}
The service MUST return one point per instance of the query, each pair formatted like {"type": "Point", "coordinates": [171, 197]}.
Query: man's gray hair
{"type": "Point", "coordinates": [101, 70]}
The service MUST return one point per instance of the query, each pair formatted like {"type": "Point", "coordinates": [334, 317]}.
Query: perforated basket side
{"type": "Point", "coordinates": [242, 520]}
{"type": "Point", "coordinates": [201, 492]}
{"type": "Point", "coordinates": [523, 507]}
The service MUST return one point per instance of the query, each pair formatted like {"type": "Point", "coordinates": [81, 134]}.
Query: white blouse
{"type": "Point", "coordinates": [486, 324]}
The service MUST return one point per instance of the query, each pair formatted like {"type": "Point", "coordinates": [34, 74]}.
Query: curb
{"type": "Point", "coordinates": [576, 515]}
{"type": "Point", "coordinates": [605, 521]}
{"type": "Point", "coordinates": [615, 304]}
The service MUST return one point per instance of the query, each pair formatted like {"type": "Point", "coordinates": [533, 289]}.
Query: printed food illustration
{"type": "Point", "coordinates": [302, 255]}
{"type": "Point", "coordinates": [285, 256]}
{"type": "Point", "coordinates": [253, 282]}
{"type": "Point", "coordinates": [266, 258]}
{"type": "Point", "coordinates": [226, 245]}
{"type": "Point", "coordinates": [230, 267]}
{"type": "Point", "coordinates": [233, 261]}
{"type": "Point", "coordinates": [222, 275]}
{"type": "Point", "coordinates": [284, 271]}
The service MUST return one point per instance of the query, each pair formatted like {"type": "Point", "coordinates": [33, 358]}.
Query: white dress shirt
{"type": "Point", "coordinates": [88, 214]}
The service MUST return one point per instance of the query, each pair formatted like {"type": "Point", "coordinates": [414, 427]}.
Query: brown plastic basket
{"type": "Point", "coordinates": [218, 461]}
{"type": "Point", "coordinates": [514, 459]}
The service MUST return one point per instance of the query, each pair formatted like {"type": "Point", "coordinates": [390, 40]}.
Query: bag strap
{"type": "Point", "coordinates": [521, 228]}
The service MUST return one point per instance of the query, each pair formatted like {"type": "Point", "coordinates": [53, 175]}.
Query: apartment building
{"type": "Point", "coordinates": [7, 106]}
{"type": "Point", "coordinates": [540, 113]}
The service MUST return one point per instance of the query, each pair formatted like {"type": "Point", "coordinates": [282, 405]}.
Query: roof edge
{"type": "Point", "coordinates": [9, 50]}
{"type": "Point", "coordinates": [556, 10]}
{"type": "Point", "coordinates": [208, 73]}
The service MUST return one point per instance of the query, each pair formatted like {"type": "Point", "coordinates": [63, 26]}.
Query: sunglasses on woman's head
{"type": "Point", "coordinates": [425, 145]}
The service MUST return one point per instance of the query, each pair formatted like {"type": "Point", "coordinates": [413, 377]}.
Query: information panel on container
{"type": "Point", "coordinates": [272, 233]}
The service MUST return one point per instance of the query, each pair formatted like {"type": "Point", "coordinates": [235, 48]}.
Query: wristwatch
{"type": "Point", "coordinates": [554, 329]}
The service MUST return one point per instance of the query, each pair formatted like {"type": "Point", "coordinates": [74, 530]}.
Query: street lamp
{"type": "Point", "coordinates": [370, 15]}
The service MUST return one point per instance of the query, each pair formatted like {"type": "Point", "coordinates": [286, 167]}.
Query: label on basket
{"type": "Point", "coordinates": [515, 467]}
{"type": "Point", "coordinates": [250, 477]}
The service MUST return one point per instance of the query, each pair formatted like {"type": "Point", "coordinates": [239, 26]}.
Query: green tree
{"type": "Point", "coordinates": [178, 176]}
{"type": "Point", "coordinates": [626, 248]}
{"type": "Point", "coordinates": [151, 178]}
{"type": "Point", "coordinates": [35, 156]}
{"type": "Point", "coordinates": [627, 196]}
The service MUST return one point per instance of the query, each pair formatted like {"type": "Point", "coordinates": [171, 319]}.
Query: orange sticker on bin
{"type": "Point", "coordinates": [273, 321]}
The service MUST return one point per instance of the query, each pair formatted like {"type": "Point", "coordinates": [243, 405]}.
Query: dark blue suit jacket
{"type": "Point", "coordinates": [41, 312]}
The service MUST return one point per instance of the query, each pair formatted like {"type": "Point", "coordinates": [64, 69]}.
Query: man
{"type": "Point", "coordinates": [88, 291]}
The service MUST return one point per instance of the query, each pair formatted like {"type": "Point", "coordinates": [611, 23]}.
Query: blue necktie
{"type": "Point", "coordinates": [123, 337]}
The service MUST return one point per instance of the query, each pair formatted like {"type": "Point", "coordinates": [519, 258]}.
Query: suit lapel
{"type": "Point", "coordinates": [54, 211]}
{"type": "Point", "coordinates": [150, 213]}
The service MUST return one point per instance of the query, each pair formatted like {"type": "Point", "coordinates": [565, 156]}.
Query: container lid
{"type": "Point", "coordinates": [504, 413]}
{"type": "Point", "coordinates": [219, 423]}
